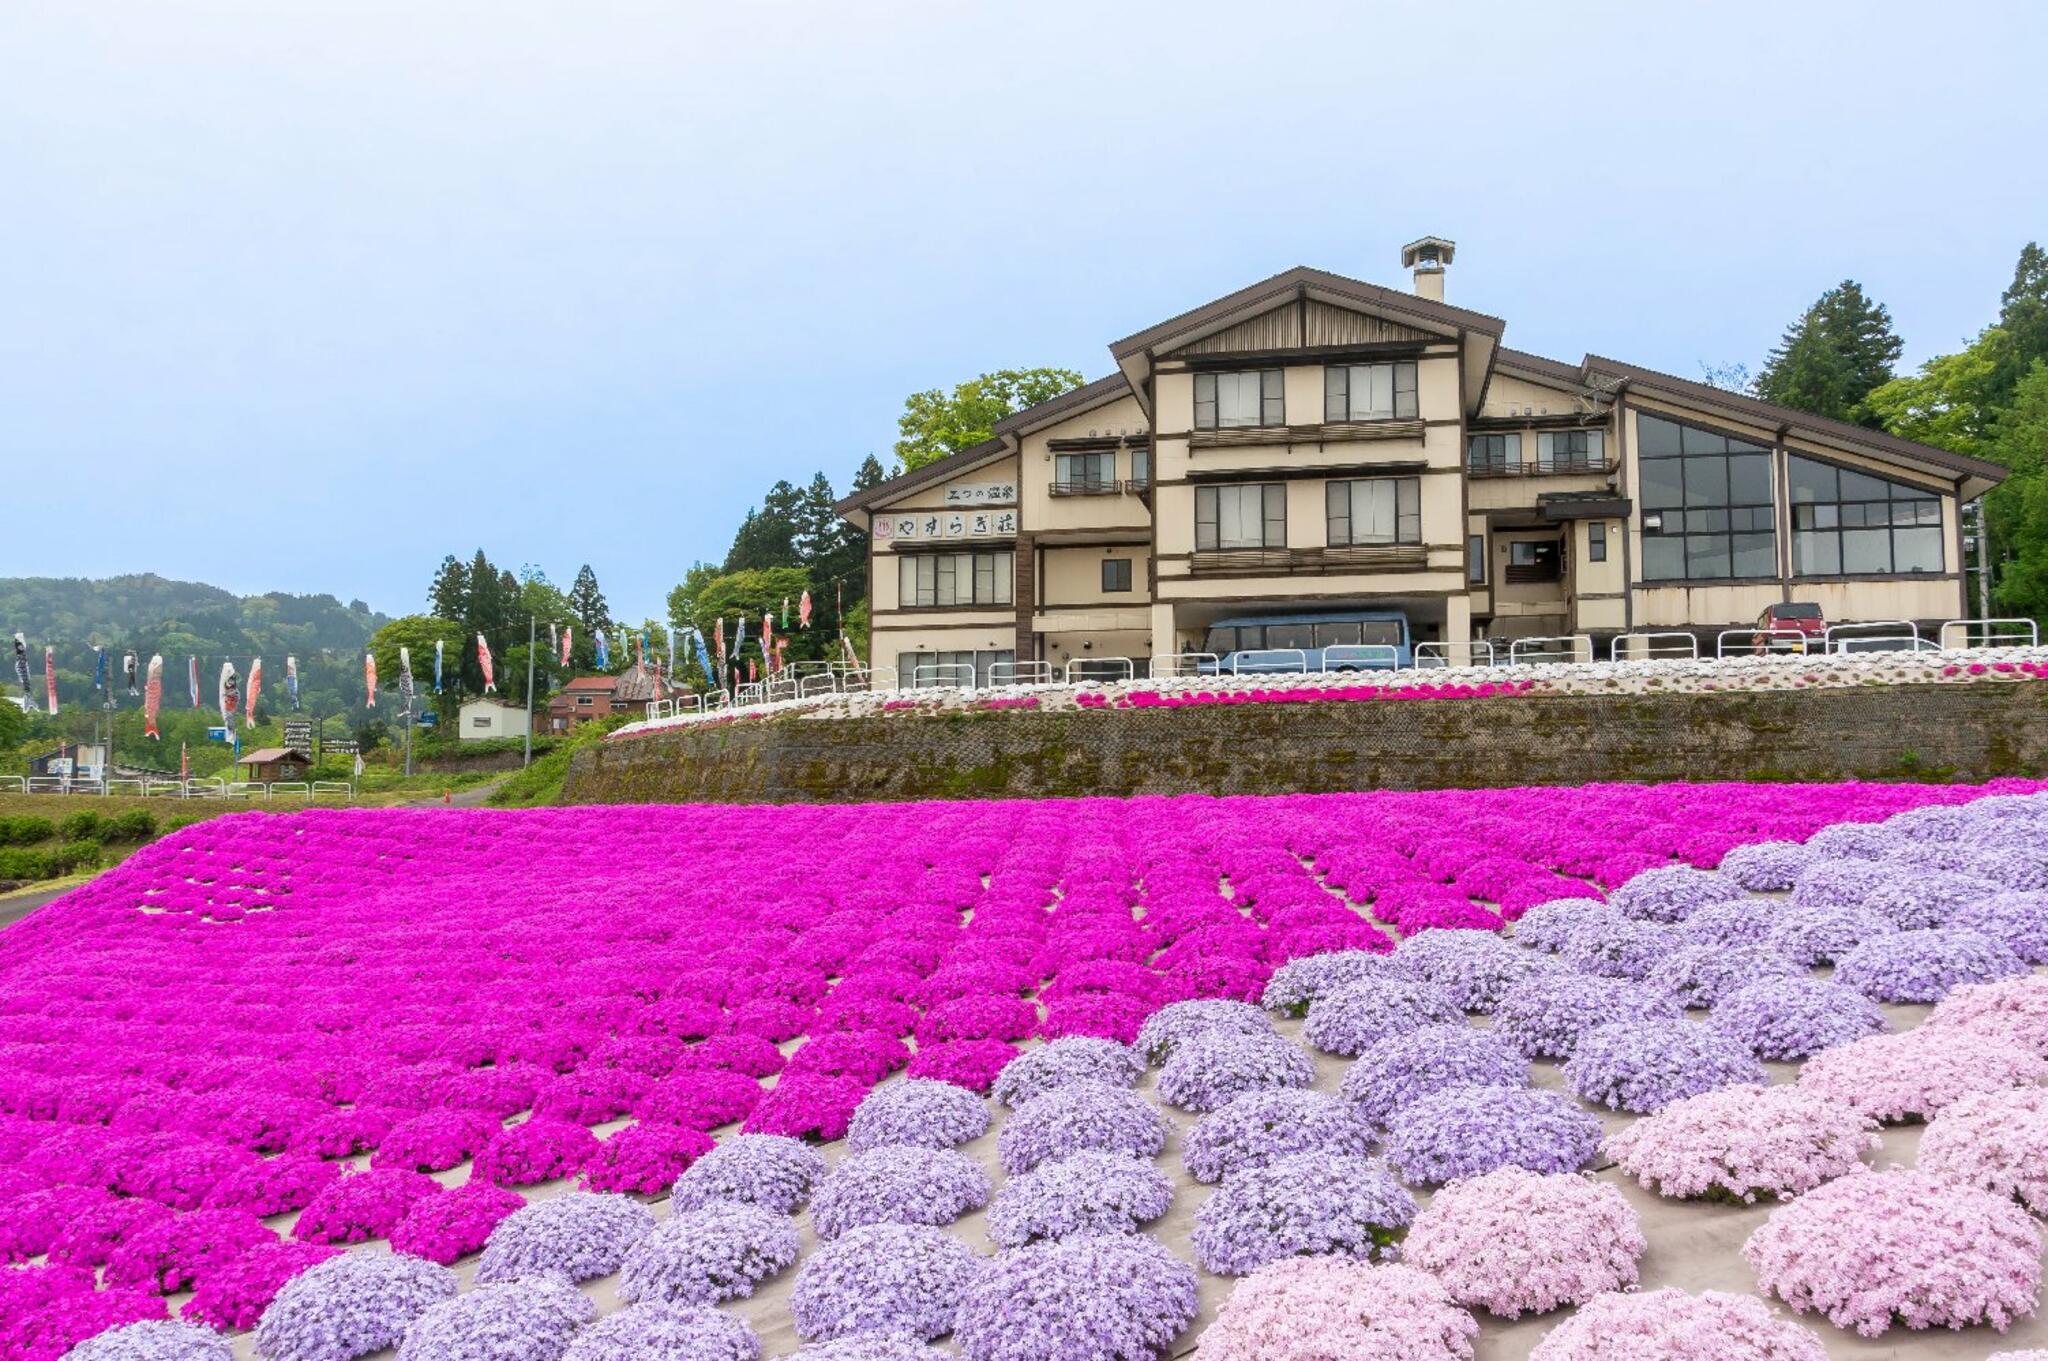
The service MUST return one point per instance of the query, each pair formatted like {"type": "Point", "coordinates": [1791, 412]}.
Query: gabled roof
{"type": "Point", "coordinates": [589, 683]}
{"type": "Point", "coordinates": [269, 754]}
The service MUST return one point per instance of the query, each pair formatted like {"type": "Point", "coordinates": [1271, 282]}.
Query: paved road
{"type": "Point", "coordinates": [15, 908]}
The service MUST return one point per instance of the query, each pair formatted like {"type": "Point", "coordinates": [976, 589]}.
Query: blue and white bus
{"type": "Point", "coordinates": [1338, 640]}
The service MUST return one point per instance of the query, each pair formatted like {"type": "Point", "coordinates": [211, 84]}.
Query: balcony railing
{"type": "Point", "coordinates": [1557, 467]}
{"type": "Point", "coordinates": [1214, 562]}
{"type": "Point", "coordinates": [1088, 486]}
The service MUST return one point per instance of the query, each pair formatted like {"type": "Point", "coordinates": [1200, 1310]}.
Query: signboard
{"type": "Point", "coordinates": [982, 494]}
{"type": "Point", "coordinates": [926, 526]}
{"type": "Point", "coordinates": [217, 734]}
{"type": "Point", "coordinates": [59, 765]}
{"type": "Point", "coordinates": [337, 746]}
{"type": "Point", "coordinates": [427, 719]}
{"type": "Point", "coordinates": [298, 734]}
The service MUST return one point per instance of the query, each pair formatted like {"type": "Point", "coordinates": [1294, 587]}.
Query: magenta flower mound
{"type": "Point", "coordinates": [1548, 927]}
{"type": "Point", "coordinates": [1822, 935]}
{"type": "Point", "coordinates": [1338, 1309]}
{"type": "Point", "coordinates": [972, 1064]}
{"type": "Point", "coordinates": [1400, 1069]}
{"type": "Point", "coordinates": [436, 1140]}
{"type": "Point", "coordinates": [1087, 1193]}
{"type": "Point", "coordinates": [1790, 1018]}
{"type": "Point", "coordinates": [1620, 947]}
{"type": "Point", "coordinates": [666, 1332]}
{"type": "Point", "coordinates": [52, 1328]}
{"type": "Point", "coordinates": [525, 1320]}
{"type": "Point", "coordinates": [716, 1252]}
{"type": "Point", "coordinates": [1701, 975]}
{"type": "Point", "coordinates": [898, 1184]}
{"type": "Point", "coordinates": [580, 1235]}
{"type": "Point", "coordinates": [447, 1227]}
{"type": "Point", "coordinates": [171, 1254]}
{"type": "Point", "coordinates": [1995, 1141]}
{"type": "Point", "coordinates": [1303, 1205]}
{"type": "Point", "coordinates": [2016, 920]}
{"type": "Point", "coordinates": [869, 1347]}
{"type": "Point", "coordinates": [1643, 1066]}
{"type": "Point", "coordinates": [1262, 1127]}
{"type": "Point", "coordinates": [233, 1295]}
{"type": "Point", "coordinates": [644, 1159]}
{"type": "Point", "coordinates": [1359, 1014]}
{"type": "Point", "coordinates": [916, 1111]}
{"type": "Point", "coordinates": [977, 1016]}
{"type": "Point", "coordinates": [1178, 1022]}
{"type": "Point", "coordinates": [272, 1186]}
{"type": "Point", "coordinates": [1299, 982]}
{"type": "Point", "coordinates": [1880, 1248]}
{"type": "Point", "coordinates": [1672, 1325]}
{"type": "Point", "coordinates": [700, 1098]}
{"type": "Point", "coordinates": [1078, 1058]}
{"type": "Point", "coordinates": [1107, 1297]}
{"type": "Point", "coordinates": [1473, 967]}
{"type": "Point", "coordinates": [1210, 1069]}
{"type": "Point", "coordinates": [1924, 966]}
{"type": "Point", "coordinates": [893, 1279]}
{"type": "Point", "coordinates": [768, 1170]}
{"type": "Point", "coordinates": [363, 1206]}
{"type": "Point", "coordinates": [1766, 866]}
{"type": "Point", "coordinates": [93, 1235]}
{"type": "Point", "coordinates": [1077, 1117]}
{"type": "Point", "coordinates": [1912, 1075]}
{"type": "Point", "coordinates": [808, 1106]}
{"type": "Point", "coordinates": [1545, 1016]}
{"type": "Point", "coordinates": [350, 1306]}
{"type": "Point", "coordinates": [1515, 1242]}
{"type": "Point", "coordinates": [1467, 1131]}
{"type": "Point", "coordinates": [1673, 893]}
{"type": "Point", "coordinates": [1740, 1143]}
{"type": "Point", "coordinates": [2014, 1010]}
{"type": "Point", "coordinates": [541, 1149]}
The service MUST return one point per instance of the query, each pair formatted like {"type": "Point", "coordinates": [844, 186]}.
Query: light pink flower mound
{"type": "Point", "coordinates": [1995, 1141]}
{"type": "Point", "coordinates": [1910, 1076]}
{"type": "Point", "coordinates": [1339, 1309]}
{"type": "Point", "coordinates": [2014, 1010]}
{"type": "Point", "coordinates": [1516, 1242]}
{"type": "Point", "coordinates": [1740, 1143]}
{"type": "Point", "coordinates": [2029, 1354]}
{"type": "Point", "coordinates": [1881, 1248]}
{"type": "Point", "coordinates": [1671, 1325]}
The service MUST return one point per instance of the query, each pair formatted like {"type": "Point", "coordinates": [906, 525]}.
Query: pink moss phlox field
{"type": "Point", "coordinates": [234, 1294]}
{"type": "Point", "coordinates": [363, 1206]}
{"type": "Point", "coordinates": [2014, 1010]}
{"type": "Point", "coordinates": [1316, 1308]}
{"type": "Point", "coordinates": [1876, 1249]}
{"type": "Point", "coordinates": [1996, 1141]}
{"type": "Point", "coordinates": [172, 1254]}
{"type": "Point", "coordinates": [1675, 1326]}
{"type": "Point", "coordinates": [1515, 1242]}
{"type": "Point", "coordinates": [1742, 1143]}
{"type": "Point", "coordinates": [448, 1227]}
{"type": "Point", "coordinates": [1914, 1074]}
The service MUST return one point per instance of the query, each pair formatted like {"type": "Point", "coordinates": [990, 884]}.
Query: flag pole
{"type": "Point", "coordinates": [529, 691]}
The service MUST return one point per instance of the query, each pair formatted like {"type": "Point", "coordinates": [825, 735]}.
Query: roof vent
{"type": "Point", "coordinates": [1428, 257]}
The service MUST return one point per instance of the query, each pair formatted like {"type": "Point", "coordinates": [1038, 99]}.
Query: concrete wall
{"type": "Point", "coordinates": [1969, 732]}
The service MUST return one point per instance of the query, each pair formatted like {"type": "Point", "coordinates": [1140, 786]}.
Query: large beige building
{"type": "Point", "coordinates": [1317, 445]}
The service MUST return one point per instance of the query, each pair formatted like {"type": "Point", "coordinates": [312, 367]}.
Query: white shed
{"type": "Point", "coordinates": [484, 718]}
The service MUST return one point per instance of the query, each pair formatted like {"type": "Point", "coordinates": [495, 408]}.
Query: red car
{"type": "Point", "coordinates": [1790, 626]}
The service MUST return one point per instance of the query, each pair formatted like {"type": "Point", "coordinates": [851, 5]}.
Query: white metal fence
{"type": "Point", "coordinates": [198, 788]}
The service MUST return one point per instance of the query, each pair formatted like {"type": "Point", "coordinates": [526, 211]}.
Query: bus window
{"type": "Point", "coordinates": [1301, 636]}
{"type": "Point", "coordinates": [1337, 635]}
{"type": "Point", "coordinates": [1383, 632]}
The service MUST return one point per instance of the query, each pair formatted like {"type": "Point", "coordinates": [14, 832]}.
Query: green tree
{"type": "Point", "coordinates": [768, 537]}
{"type": "Point", "coordinates": [935, 424]}
{"type": "Point", "coordinates": [1830, 359]}
{"type": "Point", "coordinates": [1951, 402]}
{"type": "Point", "coordinates": [448, 597]}
{"type": "Point", "coordinates": [13, 725]}
{"type": "Point", "coordinates": [418, 633]}
{"type": "Point", "coordinates": [586, 602]}
{"type": "Point", "coordinates": [750, 594]}
{"type": "Point", "coordinates": [2018, 509]}
{"type": "Point", "coordinates": [2023, 318]}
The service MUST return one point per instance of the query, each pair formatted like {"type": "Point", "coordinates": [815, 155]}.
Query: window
{"type": "Point", "coordinates": [1493, 453]}
{"type": "Point", "coordinates": [953, 668]}
{"type": "Point", "coordinates": [1091, 472]}
{"type": "Point", "coordinates": [1847, 523]}
{"type": "Point", "coordinates": [1531, 560]}
{"type": "Point", "coordinates": [1706, 504]}
{"type": "Point", "coordinates": [1141, 467]}
{"type": "Point", "coordinates": [1380, 510]}
{"type": "Point", "coordinates": [1475, 558]}
{"type": "Point", "coordinates": [1596, 541]}
{"type": "Point", "coordinates": [1568, 450]}
{"type": "Point", "coordinates": [583, 700]}
{"type": "Point", "coordinates": [480, 722]}
{"type": "Point", "coordinates": [1251, 515]}
{"type": "Point", "coordinates": [1230, 401]}
{"type": "Point", "coordinates": [1116, 574]}
{"type": "Point", "coordinates": [954, 578]}
{"type": "Point", "coordinates": [1369, 392]}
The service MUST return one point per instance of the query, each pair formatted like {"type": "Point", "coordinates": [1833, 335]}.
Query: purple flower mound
{"type": "Point", "coordinates": [1545, 1016]}
{"type": "Point", "coordinates": [1515, 1242]}
{"type": "Point", "coordinates": [1790, 1018]}
{"type": "Point", "coordinates": [1075, 1118]}
{"type": "Point", "coordinates": [1468, 1131]}
{"type": "Point", "coordinates": [1404, 1068]}
{"type": "Point", "coordinates": [1211, 1069]}
{"type": "Point", "coordinates": [1077, 1058]}
{"type": "Point", "coordinates": [768, 1170]}
{"type": "Point", "coordinates": [1701, 975]}
{"type": "Point", "coordinates": [1822, 935]}
{"type": "Point", "coordinates": [1548, 927]}
{"type": "Point", "coordinates": [2016, 920]}
{"type": "Point", "coordinates": [1178, 1022]}
{"type": "Point", "coordinates": [154, 1340]}
{"type": "Point", "coordinates": [1924, 966]}
{"type": "Point", "coordinates": [897, 1279]}
{"type": "Point", "coordinates": [1087, 1193]}
{"type": "Point", "coordinates": [1307, 1205]}
{"type": "Point", "coordinates": [716, 1252]}
{"type": "Point", "coordinates": [1299, 982]}
{"type": "Point", "coordinates": [581, 1235]}
{"type": "Point", "coordinates": [1674, 1326]}
{"type": "Point", "coordinates": [1643, 1066]}
{"type": "Point", "coordinates": [525, 1320]}
{"type": "Point", "coordinates": [1263, 1127]}
{"type": "Point", "coordinates": [898, 1184]}
{"type": "Point", "coordinates": [869, 1347]}
{"type": "Point", "coordinates": [1840, 883]}
{"type": "Point", "coordinates": [1473, 967]}
{"type": "Point", "coordinates": [1766, 866]}
{"type": "Point", "coordinates": [1363, 1013]}
{"type": "Point", "coordinates": [1620, 947]}
{"type": "Point", "coordinates": [1857, 841]}
{"type": "Point", "coordinates": [1731, 925]}
{"type": "Point", "coordinates": [350, 1306]}
{"type": "Point", "coordinates": [1339, 1309]}
{"type": "Point", "coordinates": [662, 1332]}
{"type": "Point", "coordinates": [917, 1111]}
{"type": "Point", "coordinates": [1672, 893]}
{"type": "Point", "coordinates": [1108, 1297]}
{"type": "Point", "coordinates": [2015, 867]}
{"type": "Point", "coordinates": [1918, 900]}
{"type": "Point", "coordinates": [1877, 1249]}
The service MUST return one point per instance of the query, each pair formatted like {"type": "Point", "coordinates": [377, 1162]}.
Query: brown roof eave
{"type": "Point", "coordinates": [1087, 397]}
{"type": "Point", "coordinates": [1277, 288]}
{"type": "Point", "coordinates": [936, 471]}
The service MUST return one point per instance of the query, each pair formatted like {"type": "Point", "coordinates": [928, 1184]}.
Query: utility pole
{"type": "Point", "coordinates": [530, 627]}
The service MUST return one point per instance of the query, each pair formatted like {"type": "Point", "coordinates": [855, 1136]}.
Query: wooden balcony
{"type": "Point", "coordinates": [1267, 562]}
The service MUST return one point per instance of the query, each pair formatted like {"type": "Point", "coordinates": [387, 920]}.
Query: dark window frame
{"type": "Point", "coordinates": [1272, 399]}
{"type": "Point", "coordinates": [1596, 541]}
{"type": "Point", "coordinates": [1116, 575]}
{"type": "Point", "coordinates": [1475, 559]}
{"type": "Point", "coordinates": [1407, 489]}
{"type": "Point", "coordinates": [1867, 519]}
{"type": "Point", "coordinates": [1337, 392]}
{"type": "Point", "coordinates": [946, 568]}
{"type": "Point", "coordinates": [1066, 466]}
{"type": "Point", "coordinates": [1510, 450]}
{"type": "Point", "coordinates": [1270, 495]}
{"type": "Point", "coordinates": [1707, 514]}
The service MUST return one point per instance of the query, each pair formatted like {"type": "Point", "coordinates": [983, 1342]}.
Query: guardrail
{"type": "Point", "coordinates": [1565, 648]}
{"type": "Point", "coordinates": [1181, 664]}
{"type": "Point", "coordinates": [299, 787]}
{"type": "Point", "coordinates": [1993, 632]}
{"type": "Point", "coordinates": [1361, 657]}
{"type": "Point", "coordinates": [322, 788]}
{"type": "Point", "coordinates": [1119, 668]}
{"type": "Point", "coordinates": [1020, 673]}
{"type": "Point", "coordinates": [140, 787]}
{"type": "Point", "coordinates": [1435, 656]}
{"type": "Point", "coordinates": [1837, 639]}
{"type": "Point", "coordinates": [1651, 646]}
{"type": "Point", "coordinates": [1280, 654]}
{"type": "Point", "coordinates": [932, 674]}
{"type": "Point", "coordinates": [1757, 642]}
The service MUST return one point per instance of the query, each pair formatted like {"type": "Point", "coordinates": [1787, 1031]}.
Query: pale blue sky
{"type": "Point", "coordinates": [575, 281]}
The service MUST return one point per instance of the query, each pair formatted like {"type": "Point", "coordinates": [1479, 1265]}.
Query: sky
{"type": "Point", "coordinates": [306, 296]}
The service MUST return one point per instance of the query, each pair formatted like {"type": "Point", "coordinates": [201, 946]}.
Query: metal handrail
{"type": "Point", "coordinates": [1650, 644]}
{"type": "Point", "coordinates": [1970, 626]}
{"type": "Point", "coordinates": [1125, 665]}
{"type": "Point", "coordinates": [247, 789]}
{"type": "Point", "coordinates": [1300, 659]}
{"type": "Point", "coordinates": [1911, 634]}
{"type": "Point", "coordinates": [1436, 655]}
{"type": "Point", "coordinates": [1535, 467]}
{"type": "Point", "coordinates": [1581, 649]}
{"type": "Point", "coordinates": [1180, 664]}
{"type": "Point", "coordinates": [290, 787]}
{"type": "Point", "coordinates": [164, 788]}
{"type": "Point", "coordinates": [139, 786]}
{"type": "Point", "coordinates": [1020, 673]}
{"type": "Point", "coordinates": [16, 782]}
{"type": "Point", "coordinates": [1364, 656]}
{"type": "Point", "coordinates": [321, 787]}
{"type": "Point", "coordinates": [817, 683]}
{"type": "Point", "coordinates": [964, 670]}
{"type": "Point", "coordinates": [1749, 643]}
{"type": "Point", "coordinates": [1085, 486]}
